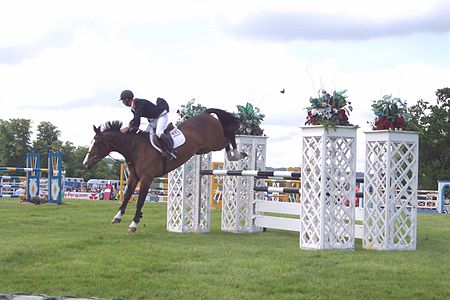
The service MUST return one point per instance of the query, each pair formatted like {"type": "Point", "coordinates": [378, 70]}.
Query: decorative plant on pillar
{"type": "Point", "coordinates": [189, 110]}
{"type": "Point", "coordinates": [391, 113]}
{"type": "Point", "coordinates": [329, 110]}
{"type": "Point", "coordinates": [251, 120]}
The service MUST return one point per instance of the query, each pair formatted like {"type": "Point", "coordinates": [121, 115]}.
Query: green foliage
{"type": "Point", "coordinates": [189, 110]}
{"type": "Point", "coordinates": [329, 110]}
{"type": "Point", "coordinates": [251, 119]}
{"type": "Point", "coordinates": [73, 249]}
{"type": "Point", "coordinates": [391, 113]}
{"type": "Point", "coordinates": [433, 124]}
{"type": "Point", "coordinates": [68, 162]}
{"type": "Point", "coordinates": [47, 139]}
{"type": "Point", "coordinates": [14, 142]}
{"type": "Point", "coordinates": [73, 161]}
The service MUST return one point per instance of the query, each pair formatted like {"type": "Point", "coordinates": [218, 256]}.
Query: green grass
{"type": "Point", "coordinates": [73, 249]}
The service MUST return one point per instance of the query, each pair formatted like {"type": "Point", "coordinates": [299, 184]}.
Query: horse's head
{"type": "Point", "coordinates": [101, 145]}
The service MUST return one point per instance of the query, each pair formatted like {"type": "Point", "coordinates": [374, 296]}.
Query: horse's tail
{"type": "Point", "coordinates": [230, 123]}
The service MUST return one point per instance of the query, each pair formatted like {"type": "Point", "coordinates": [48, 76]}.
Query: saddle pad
{"type": "Point", "coordinates": [177, 136]}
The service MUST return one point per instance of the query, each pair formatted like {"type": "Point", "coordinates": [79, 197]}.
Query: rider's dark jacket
{"type": "Point", "coordinates": [146, 109]}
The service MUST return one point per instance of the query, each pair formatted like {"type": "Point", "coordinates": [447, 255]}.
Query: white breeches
{"type": "Point", "coordinates": [160, 124]}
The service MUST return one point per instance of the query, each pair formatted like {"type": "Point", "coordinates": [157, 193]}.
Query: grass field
{"type": "Point", "coordinates": [73, 249]}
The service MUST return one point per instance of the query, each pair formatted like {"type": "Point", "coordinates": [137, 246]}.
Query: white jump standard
{"type": "Point", "coordinates": [327, 212]}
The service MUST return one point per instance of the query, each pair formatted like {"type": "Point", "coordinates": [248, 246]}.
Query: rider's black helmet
{"type": "Point", "coordinates": [126, 94]}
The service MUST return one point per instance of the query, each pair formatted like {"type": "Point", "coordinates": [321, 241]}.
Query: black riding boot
{"type": "Point", "coordinates": [167, 141]}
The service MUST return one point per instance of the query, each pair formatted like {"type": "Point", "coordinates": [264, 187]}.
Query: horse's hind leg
{"type": "Point", "coordinates": [132, 182]}
{"type": "Point", "coordinates": [233, 154]}
{"type": "Point", "coordinates": [143, 191]}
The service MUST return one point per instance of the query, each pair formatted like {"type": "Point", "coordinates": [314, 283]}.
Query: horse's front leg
{"type": "Point", "coordinates": [131, 186]}
{"type": "Point", "coordinates": [143, 191]}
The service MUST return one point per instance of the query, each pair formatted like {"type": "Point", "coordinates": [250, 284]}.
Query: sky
{"type": "Point", "coordinates": [66, 62]}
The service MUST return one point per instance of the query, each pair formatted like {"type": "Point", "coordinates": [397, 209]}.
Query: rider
{"type": "Point", "coordinates": [157, 116]}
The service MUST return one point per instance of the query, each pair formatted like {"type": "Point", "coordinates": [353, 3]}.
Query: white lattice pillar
{"type": "Point", "coordinates": [188, 209]}
{"type": "Point", "coordinates": [390, 190]}
{"type": "Point", "coordinates": [442, 203]}
{"type": "Point", "coordinates": [327, 221]}
{"type": "Point", "coordinates": [238, 205]}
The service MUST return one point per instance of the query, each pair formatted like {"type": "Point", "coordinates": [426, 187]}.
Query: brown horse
{"type": "Point", "coordinates": [204, 133]}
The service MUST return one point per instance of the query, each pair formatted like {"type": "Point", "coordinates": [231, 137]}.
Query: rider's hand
{"type": "Point", "coordinates": [125, 129]}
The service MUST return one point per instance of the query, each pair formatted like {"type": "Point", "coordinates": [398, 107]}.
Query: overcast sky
{"type": "Point", "coordinates": [67, 61]}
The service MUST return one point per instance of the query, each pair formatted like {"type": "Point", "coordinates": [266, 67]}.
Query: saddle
{"type": "Point", "coordinates": [165, 143]}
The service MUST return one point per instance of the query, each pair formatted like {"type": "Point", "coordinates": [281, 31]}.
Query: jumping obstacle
{"type": "Point", "coordinates": [33, 178]}
{"type": "Point", "coordinates": [328, 176]}
{"type": "Point", "coordinates": [10, 184]}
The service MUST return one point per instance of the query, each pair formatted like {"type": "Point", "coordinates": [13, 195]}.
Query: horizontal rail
{"type": "Point", "coordinates": [13, 177]}
{"type": "Point", "coordinates": [22, 169]}
{"type": "Point", "coordinates": [260, 174]}
{"type": "Point", "coordinates": [13, 186]}
{"type": "Point", "coordinates": [288, 190]}
{"type": "Point", "coordinates": [291, 223]}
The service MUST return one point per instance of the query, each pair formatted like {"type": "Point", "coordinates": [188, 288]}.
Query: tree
{"type": "Point", "coordinates": [74, 157]}
{"type": "Point", "coordinates": [433, 124]}
{"type": "Point", "coordinates": [47, 139]}
{"type": "Point", "coordinates": [14, 142]}
{"type": "Point", "coordinates": [69, 164]}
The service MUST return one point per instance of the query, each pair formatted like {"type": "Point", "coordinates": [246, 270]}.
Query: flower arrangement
{"type": "Point", "coordinates": [251, 119]}
{"type": "Point", "coordinates": [189, 110]}
{"type": "Point", "coordinates": [391, 113]}
{"type": "Point", "coordinates": [329, 110]}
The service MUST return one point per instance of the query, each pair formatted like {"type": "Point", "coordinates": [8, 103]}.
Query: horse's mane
{"type": "Point", "coordinates": [111, 126]}
{"type": "Point", "coordinates": [115, 126]}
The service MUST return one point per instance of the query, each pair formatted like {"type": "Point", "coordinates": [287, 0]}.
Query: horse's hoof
{"type": "Point", "coordinates": [132, 229]}
{"type": "Point", "coordinates": [116, 220]}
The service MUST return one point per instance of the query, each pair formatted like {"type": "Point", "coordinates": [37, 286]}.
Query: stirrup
{"type": "Point", "coordinates": [167, 143]}
{"type": "Point", "coordinates": [172, 154]}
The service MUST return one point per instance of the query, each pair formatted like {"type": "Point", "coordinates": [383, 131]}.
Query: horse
{"type": "Point", "coordinates": [203, 133]}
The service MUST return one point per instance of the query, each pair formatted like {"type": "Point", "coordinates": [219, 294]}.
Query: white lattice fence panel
{"type": "Point", "coordinates": [311, 191]}
{"type": "Point", "coordinates": [175, 200]}
{"type": "Point", "coordinates": [390, 194]}
{"type": "Point", "coordinates": [188, 209]}
{"type": "Point", "coordinates": [238, 207]}
{"type": "Point", "coordinates": [229, 200]}
{"type": "Point", "coordinates": [328, 180]}
{"type": "Point", "coordinates": [205, 193]}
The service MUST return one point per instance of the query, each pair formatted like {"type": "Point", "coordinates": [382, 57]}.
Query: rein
{"type": "Point", "coordinates": [108, 146]}
{"type": "Point", "coordinates": [114, 159]}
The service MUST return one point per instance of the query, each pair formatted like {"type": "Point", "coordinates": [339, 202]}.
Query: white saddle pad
{"type": "Point", "coordinates": [177, 136]}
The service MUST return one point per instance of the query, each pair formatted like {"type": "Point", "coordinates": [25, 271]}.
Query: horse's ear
{"type": "Point", "coordinates": [96, 129]}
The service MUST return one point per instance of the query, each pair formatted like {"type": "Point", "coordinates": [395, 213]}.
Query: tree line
{"type": "Point", "coordinates": [431, 121]}
{"type": "Point", "coordinates": [15, 142]}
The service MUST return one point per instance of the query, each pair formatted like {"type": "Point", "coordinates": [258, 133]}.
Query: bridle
{"type": "Point", "coordinates": [100, 140]}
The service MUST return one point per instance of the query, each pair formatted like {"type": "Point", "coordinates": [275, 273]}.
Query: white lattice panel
{"type": "Point", "coordinates": [238, 206]}
{"type": "Point", "coordinates": [328, 179]}
{"type": "Point", "coordinates": [187, 207]}
{"type": "Point", "coordinates": [390, 193]}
